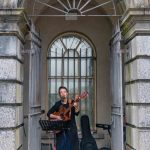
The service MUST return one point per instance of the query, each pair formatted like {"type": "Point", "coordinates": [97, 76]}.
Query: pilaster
{"type": "Point", "coordinates": [13, 27]}
{"type": "Point", "coordinates": [136, 33]}
{"type": "Point", "coordinates": [137, 3]}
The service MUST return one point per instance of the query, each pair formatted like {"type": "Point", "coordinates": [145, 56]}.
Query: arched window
{"type": "Point", "coordinates": [71, 63]}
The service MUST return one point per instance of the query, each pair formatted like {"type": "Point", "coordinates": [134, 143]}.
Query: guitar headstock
{"type": "Point", "coordinates": [83, 95]}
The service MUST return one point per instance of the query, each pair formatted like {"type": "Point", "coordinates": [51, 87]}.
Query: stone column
{"type": "Point", "coordinates": [136, 31]}
{"type": "Point", "coordinates": [12, 27]}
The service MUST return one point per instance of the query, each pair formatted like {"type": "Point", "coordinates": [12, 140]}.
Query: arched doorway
{"type": "Point", "coordinates": [94, 29]}
{"type": "Point", "coordinates": [71, 63]}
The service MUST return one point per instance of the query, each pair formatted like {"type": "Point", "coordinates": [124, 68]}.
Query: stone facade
{"type": "Point", "coordinates": [11, 76]}
{"type": "Point", "coordinates": [135, 26]}
{"type": "Point", "coordinates": [136, 32]}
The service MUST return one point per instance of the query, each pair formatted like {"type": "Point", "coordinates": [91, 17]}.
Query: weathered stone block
{"type": "Point", "coordinates": [11, 46]}
{"type": "Point", "coordinates": [11, 140]}
{"type": "Point", "coordinates": [144, 138]}
{"type": "Point", "coordinates": [138, 46]}
{"type": "Point", "coordinates": [138, 116]}
{"type": "Point", "coordinates": [11, 93]}
{"type": "Point", "coordinates": [15, 22]}
{"type": "Point", "coordinates": [128, 148]}
{"type": "Point", "coordinates": [11, 69]}
{"type": "Point", "coordinates": [137, 93]}
{"type": "Point", "coordinates": [5, 27]}
{"type": "Point", "coordinates": [132, 137]}
{"type": "Point", "coordinates": [138, 69]}
{"type": "Point", "coordinates": [139, 139]}
{"type": "Point", "coordinates": [137, 3]}
{"type": "Point", "coordinates": [11, 116]}
{"type": "Point", "coordinates": [8, 3]}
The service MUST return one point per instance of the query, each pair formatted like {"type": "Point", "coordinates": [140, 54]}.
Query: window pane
{"type": "Point", "coordinates": [71, 53]}
{"type": "Point", "coordinates": [52, 94]}
{"type": "Point", "coordinates": [49, 86]}
{"type": "Point", "coordinates": [71, 67]}
{"type": "Point", "coordinates": [49, 67]}
{"type": "Point", "coordinates": [59, 67]}
{"type": "Point", "coordinates": [70, 42]}
{"type": "Point", "coordinates": [76, 86]}
{"type": "Point", "coordinates": [91, 99]}
{"type": "Point", "coordinates": [58, 84]}
{"type": "Point", "coordinates": [90, 67]}
{"type": "Point", "coordinates": [83, 103]}
{"type": "Point", "coordinates": [83, 50]}
{"type": "Point", "coordinates": [83, 67]}
{"type": "Point", "coordinates": [66, 83]}
{"type": "Point", "coordinates": [76, 42]}
{"type": "Point", "coordinates": [53, 86]}
{"type": "Point", "coordinates": [53, 67]}
{"type": "Point", "coordinates": [76, 67]}
{"type": "Point", "coordinates": [52, 51]}
{"type": "Point", "coordinates": [71, 86]}
{"type": "Point", "coordinates": [89, 52]}
{"type": "Point", "coordinates": [66, 61]}
{"type": "Point", "coordinates": [59, 46]}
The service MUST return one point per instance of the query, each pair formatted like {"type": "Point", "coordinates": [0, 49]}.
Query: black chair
{"type": "Point", "coordinates": [104, 148]}
{"type": "Point", "coordinates": [104, 127]}
{"type": "Point", "coordinates": [87, 141]}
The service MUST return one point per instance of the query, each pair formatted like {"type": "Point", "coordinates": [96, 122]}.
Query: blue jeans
{"type": "Point", "coordinates": [63, 141]}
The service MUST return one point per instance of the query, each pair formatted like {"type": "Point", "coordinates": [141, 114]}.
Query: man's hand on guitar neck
{"type": "Point", "coordinates": [76, 105]}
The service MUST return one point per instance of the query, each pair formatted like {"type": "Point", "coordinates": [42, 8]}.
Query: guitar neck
{"type": "Point", "coordinates": [71, 105]}
{"type": "Point", "coordinates": [83, 95]}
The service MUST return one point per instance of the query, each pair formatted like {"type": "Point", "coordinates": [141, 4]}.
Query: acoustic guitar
{"type": "Point", "coordinates": [65, 113]}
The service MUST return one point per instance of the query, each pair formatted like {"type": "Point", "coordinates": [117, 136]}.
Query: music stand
{"type": "Point", "coordinates": [54, 125]}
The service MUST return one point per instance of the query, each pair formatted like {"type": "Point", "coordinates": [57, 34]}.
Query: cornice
{"type": "Point", "coordinates": [16, 18]}
{"type": "Point", "coordinates": [135, 22]}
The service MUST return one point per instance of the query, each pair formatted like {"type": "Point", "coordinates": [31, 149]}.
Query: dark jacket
{"type": "Point", "coordinates": [71, 133]}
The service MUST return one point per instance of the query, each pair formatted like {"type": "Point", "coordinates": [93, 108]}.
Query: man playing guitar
{"type": "Point", "coordinates": [65, 109]}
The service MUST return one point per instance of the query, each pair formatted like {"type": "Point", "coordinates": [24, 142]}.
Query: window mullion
{"type": "Point", "coordinates": [49, 81]}
{"type": "Point", "coordinates": [56, 74]}
{"type": "Point", "coordinates": [68, 70]}
{"type": "Point", "coordinates": [62, 69]}
{"type": "Point", "coordinates": [80, 72]}
{"type": "Point", "coordinates": [86, 104]}
{"type": "Point", "coordinates": [74, 73]}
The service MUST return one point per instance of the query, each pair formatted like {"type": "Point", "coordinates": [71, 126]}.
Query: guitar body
{"type": "Point", "coordinates": [65, 113]}
{"type": "Point", "coordinates": [62, 113]}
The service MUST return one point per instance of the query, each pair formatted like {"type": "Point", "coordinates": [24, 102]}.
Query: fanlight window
{"type": "Point", "coordinates": [71, 63]}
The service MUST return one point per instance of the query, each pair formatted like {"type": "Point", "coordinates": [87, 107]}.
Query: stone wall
{"type": "Point", "coordinates": [11, 3]}
{"type": "Point", "coordinates": [137, 3]}
{"type": "Point", "coordinates": [11, 78]}
{"type": "Point", "coordinates": [136, 32]}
